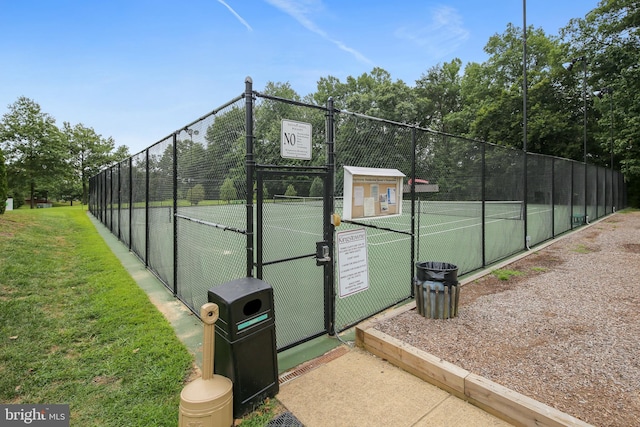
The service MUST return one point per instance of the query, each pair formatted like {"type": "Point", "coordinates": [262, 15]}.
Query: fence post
{"type": "Point", "coordinates": [175, 213]}
{"type": "Point", "coordinates": [119, 199]}
{"type": "Point", "coordinates": [104, 198]}
{"type": "Point", "coordinates": [111, 199]}
{"type": "Point", "coordinates": [483, 196]}
{"type": "Point", "coordinates": [572, 193]}
{"type": "Point", "coordinates": [130, 201]}
{"type": "Point", "coordinates": [553, 197]}
{"type": "Point", "coordinates": [249, 166]}
{"type": "Point", "coordinates": [586, 182]}
{"type": "Point", "coordinates": [328, 227]}
{"type": "Point", "coordinates": [146, 208]}
{"type": "Point", "coordinates": [525, 174]}
{"type": "Point", "coordinates": [413, 209]}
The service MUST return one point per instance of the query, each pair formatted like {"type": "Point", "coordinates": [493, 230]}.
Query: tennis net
{"type": "Point", "coordinates": [303, 201]}
{"type": "Point", "coordinates": [492, 209]}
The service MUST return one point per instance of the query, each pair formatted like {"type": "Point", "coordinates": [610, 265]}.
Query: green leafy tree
{"type": "Point", "coordinates": [195, 194]}
{"type": "Point", "coordinates": [374, 94]}
{"type": "Point", "coordinates": [609, 38]}
{"type": "Point", "coordinates": [291, 191]}
{"type": "Point", "coordinates": [438, 95]}
{"type": "Point", "coordinates": [228, 191]}
{"type": "Point", "coordinates": [492, 96]}
{"type": "Point", "coordinates": [36, 151]}
{"type": "Point", "coordinates": [90, 153]}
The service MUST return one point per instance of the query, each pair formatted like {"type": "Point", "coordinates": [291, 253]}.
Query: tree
{"type": "Point", "coordinates": [609, 37]}
{"type": "Point", "coordinates": [374, 94]}
{"type": "Point", "coordinates": [36, 151]}
{"type": "Point", "coordinates": [492, 96]}
{"type": "Point", "coordinates": [90, 152]}
{"type": "Point", "coordinates": [228, 190]}
{"type": "Point", "coordinates": [291, 191]}
{"type": "Point", "coordinates": [195, 194]}
{"type": "Point", "coordinates": [438, 95]}
{"type": "Point", "coordinates": [3, 184]}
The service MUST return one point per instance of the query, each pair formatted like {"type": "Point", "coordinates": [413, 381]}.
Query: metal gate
{"type": "Point", "coordinates": [294, 249]}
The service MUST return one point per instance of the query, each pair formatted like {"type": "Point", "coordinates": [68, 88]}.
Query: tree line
{"type": "Point", "coordinates": [44, 161]}
{"type": "Point", "coordinates": [589, 70]}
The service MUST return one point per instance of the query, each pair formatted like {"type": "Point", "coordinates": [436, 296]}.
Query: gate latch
{"type": "Point", "coordinates": [322, 253]}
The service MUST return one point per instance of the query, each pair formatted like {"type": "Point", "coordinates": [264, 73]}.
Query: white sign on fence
{"type": "Point", "coordinates": [295, 140]}
{"type": "Point", "coordinates": [353, 265]}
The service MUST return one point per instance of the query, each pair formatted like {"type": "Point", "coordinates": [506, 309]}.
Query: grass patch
{"type": "Point", "coordinates": [265, 413]}
{"type": "Point", "coordinates": [539, 269]}
{"type": "Point", "coordinates": [503, 274]}
{"type": "Point", "coordinates": [75, 328]}
{"type": "Point", "coordinates": [581, 249]}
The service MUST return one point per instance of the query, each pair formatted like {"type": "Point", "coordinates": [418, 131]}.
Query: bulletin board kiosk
{"type": "Point", "coordinates": [371, 193]}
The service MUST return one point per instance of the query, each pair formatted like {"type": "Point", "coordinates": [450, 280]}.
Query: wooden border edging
{"type": "Point", "coordinates": [495, 399]}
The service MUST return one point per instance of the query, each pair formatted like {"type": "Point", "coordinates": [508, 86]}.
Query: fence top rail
{"type": "Point", "coordinates": [210, 113]}
{"type": "Point", "coordinates": [407, 125]}
{"type": "Point", "coordinates": [289, 101]}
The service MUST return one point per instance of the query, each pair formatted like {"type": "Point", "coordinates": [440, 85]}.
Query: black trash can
{"type": "Point", "coordinates": [245, 341]}
{"type": "Point", "coordinates": [436, 289]}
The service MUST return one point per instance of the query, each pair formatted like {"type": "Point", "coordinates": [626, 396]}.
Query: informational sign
{"type": "Point", "coordinates": [353, 264]}
{"type": "Point", "coordinates": [295, 140]}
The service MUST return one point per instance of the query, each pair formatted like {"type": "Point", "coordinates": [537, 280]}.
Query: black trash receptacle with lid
{"type": "Point", "coordinates": [436, 289]}
{"type": "Point", "coordinates": [245, 341]}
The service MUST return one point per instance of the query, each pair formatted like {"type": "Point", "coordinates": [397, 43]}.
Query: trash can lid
{"type": "Point", "coordinates": [436, 266]}
{"type": "Point", "coordinates": [239, 288]}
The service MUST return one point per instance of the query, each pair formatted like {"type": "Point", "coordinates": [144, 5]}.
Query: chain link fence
{"type": "Point", "coordinates": [187, 207]}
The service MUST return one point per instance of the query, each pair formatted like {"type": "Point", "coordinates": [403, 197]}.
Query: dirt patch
{"type": "Point", "coordinates": [490, 284]}
{"type": "Point", "coordinates": [564, 332]}
{"type": "Point", "coordinates": [634, 248]}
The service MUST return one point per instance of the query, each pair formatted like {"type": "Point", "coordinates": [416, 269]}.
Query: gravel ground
{"type": "Point", "coordinates": [565, 332]}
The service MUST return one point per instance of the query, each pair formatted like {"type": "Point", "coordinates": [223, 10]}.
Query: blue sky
{"type": "Point", "coordinates": [136, 70]}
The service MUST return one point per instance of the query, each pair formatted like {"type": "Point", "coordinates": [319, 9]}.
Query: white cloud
{"type": "Point", "coordinates": [300, 10]}
{"type": "Point", "coordinates": [222, 2]}
{"type": "Point", "coordinates": [444, 32]}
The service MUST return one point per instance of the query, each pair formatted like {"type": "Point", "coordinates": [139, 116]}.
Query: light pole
{"type": "Point", "coordinates": [569, 67]}
{"type": "Point", "coordinates": [600, 93]}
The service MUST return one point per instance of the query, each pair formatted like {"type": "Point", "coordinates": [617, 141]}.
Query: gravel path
{"type": "Point", "coordinates": [565, 332]}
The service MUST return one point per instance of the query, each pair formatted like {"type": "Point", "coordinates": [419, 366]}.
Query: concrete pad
{"type": "Point", "coordinates": [454, 412]}
{"type": "Point", "coordinates": [360, 389]}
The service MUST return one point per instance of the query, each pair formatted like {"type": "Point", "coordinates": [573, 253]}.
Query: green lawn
{"type": "Point", "coordinates": [76, 328]}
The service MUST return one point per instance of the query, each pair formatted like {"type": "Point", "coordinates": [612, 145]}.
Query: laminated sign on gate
{"type": "Point", "coordinates": [295, 140]}
{"type": "Point", "coordinates": [353, 263]}
{"type": "Point", "coordinates": [371, 193]}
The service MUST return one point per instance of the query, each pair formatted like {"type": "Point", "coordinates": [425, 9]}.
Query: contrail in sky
{"type": "Point", "coordinates": [300, 11]}
{"type": "Point", "coordinates": [236, 15]}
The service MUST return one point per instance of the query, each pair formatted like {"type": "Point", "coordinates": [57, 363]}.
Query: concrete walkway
{"type": "Point", "coordinates": [359, 389]}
